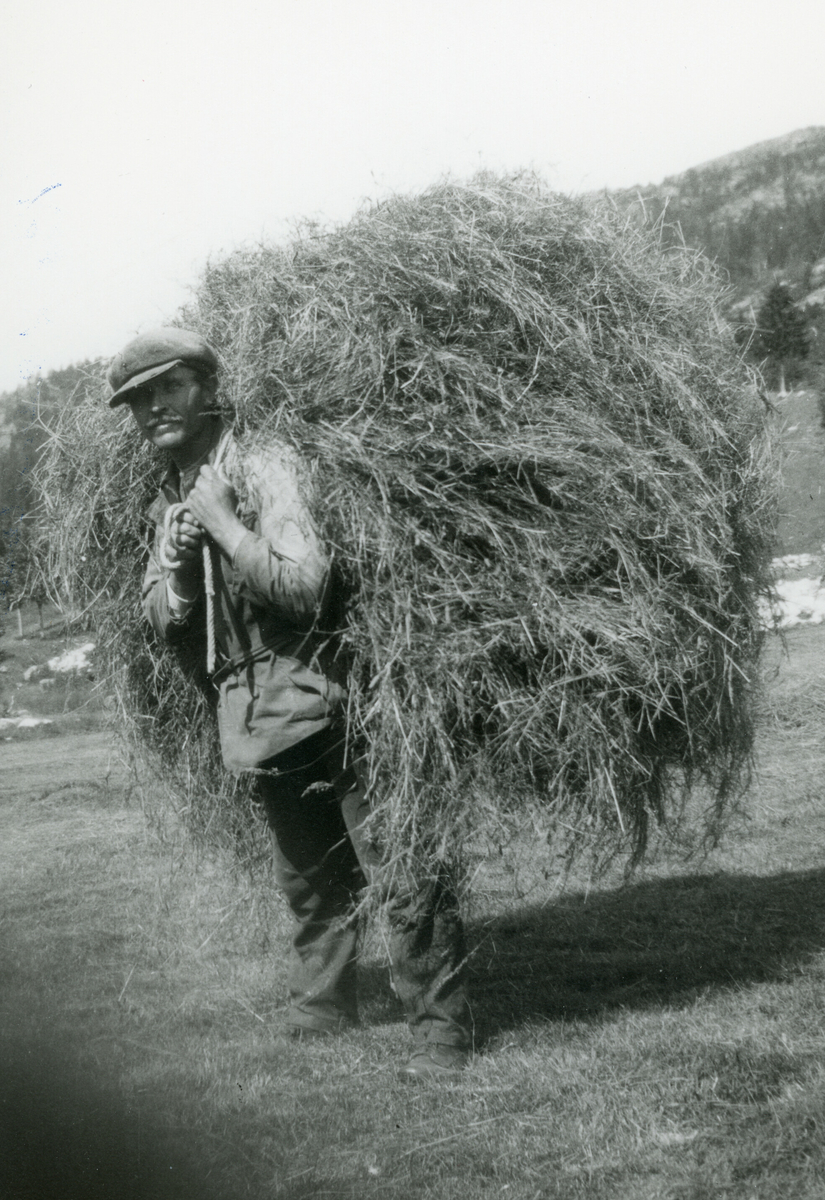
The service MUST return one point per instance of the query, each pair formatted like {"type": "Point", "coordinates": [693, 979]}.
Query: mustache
{"type": "Point", "coordinates": [170, 418]}
{"type": "Point", "coordinates": [162, 421]}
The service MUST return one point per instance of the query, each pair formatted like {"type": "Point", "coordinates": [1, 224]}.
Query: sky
{"type": "Point", "coordinates": [137, 142]}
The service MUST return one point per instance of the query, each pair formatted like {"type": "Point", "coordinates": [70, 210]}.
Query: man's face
{"type": "Point", "coordinates": [173, 411]}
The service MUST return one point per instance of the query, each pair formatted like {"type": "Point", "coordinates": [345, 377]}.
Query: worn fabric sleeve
{"type": "Point", "coordinates": [284, 567]}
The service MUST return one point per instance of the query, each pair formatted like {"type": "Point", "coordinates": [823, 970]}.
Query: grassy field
{"type": "Point", "coordinates": [662, 1037]}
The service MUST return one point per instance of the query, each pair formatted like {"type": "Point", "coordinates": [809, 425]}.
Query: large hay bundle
{"type": "Point", "coordinates": [541, 465]}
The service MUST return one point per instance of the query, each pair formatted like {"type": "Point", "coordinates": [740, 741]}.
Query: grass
{"type": "Point", "coordinates": [661, 1037]}
{"type": "Point", "coordinates": [802, 521]}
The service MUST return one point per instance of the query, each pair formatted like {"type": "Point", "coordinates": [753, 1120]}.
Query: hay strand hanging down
{"type": "Point", "coordinates": [541, 465]}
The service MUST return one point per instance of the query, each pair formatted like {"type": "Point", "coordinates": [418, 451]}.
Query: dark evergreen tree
{"type": "Point", "coordinates": [782, 332]}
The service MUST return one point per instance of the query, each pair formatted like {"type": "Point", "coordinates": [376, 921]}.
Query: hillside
{"type": "Point", "coordinates": [758, 212]}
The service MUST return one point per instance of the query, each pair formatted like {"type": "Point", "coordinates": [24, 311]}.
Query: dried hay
{"type": "Point", "coordinates": [543, 470]}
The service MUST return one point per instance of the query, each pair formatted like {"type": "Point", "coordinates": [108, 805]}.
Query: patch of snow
{"type": "Point", "coordinates": [793, 562]}
{"type": "Point", "coordinates": [24, 722]}
{"type": "Point", "coordinates": [798, 602]}
{"type": "Point", "coordinates": [71, 660]}
{"type": "Point", "coordinates": [814, 298]}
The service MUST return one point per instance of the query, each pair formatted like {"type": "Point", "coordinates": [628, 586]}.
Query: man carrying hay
{"type": "Point", "coordinates": [238, 566]}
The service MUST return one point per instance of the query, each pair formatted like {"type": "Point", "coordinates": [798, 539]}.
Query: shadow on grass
{"type": "Point", "coordinates": [68, 1131]}
{"type": "Point", "coordinates": [656, 942]}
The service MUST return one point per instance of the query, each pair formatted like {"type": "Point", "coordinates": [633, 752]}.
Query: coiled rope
{"type": "Point", "coordinates": [171, 562]}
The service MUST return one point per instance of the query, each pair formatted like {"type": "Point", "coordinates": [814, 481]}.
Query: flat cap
{"type": "Point", "coordinates": [153, 354]}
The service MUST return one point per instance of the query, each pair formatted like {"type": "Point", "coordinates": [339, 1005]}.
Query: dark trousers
{"type": "Point", "coordinates": [316, 809]}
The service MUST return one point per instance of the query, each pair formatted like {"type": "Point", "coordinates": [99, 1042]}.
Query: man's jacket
{"type": "Point", "coordinates": [275, 668]}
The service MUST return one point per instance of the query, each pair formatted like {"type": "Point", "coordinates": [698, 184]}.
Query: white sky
{"type": "Point", "coordinates": [138, 140]}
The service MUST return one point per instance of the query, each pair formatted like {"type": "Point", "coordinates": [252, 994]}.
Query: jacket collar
{"type": "Point", "coordinates": [176, 484]}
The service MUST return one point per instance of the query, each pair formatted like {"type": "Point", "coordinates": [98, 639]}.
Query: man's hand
{"type": "Point", "coordinates": [183, 542]}
{"type": "Point", "coordinates": [212, 504]}
{"type": "Point", "coordinates": [185, 538]}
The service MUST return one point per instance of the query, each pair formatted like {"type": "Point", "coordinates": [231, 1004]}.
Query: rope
{"type": "Point", "coordinates": [209, 589]}
{"type": "Point", "coordinates": [172, 562]}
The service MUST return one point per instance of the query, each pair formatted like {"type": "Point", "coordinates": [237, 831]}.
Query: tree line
{"type": "Point", "coordinates": [24, 419]}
